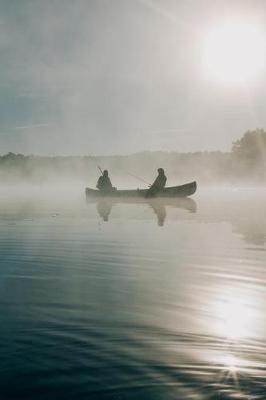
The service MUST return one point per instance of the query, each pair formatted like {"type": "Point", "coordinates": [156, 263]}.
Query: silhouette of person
{"type": "Point", "coordinates": [104, 182]}
{"type": "Point", "coordinates": [158, 184]}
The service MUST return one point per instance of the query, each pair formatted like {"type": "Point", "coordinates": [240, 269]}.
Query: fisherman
{"type": "Point", "coordinates": [158, 184]}
{"type": "Point", "coordinates": [104, 182]}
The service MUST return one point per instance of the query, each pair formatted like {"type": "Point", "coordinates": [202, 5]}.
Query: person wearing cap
{"type": "Point", "coordinates": [104, 182]}
{"type": "Point", "coordinates": [158, 184]}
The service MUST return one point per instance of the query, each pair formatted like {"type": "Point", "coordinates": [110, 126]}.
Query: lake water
{"type": "Point", "coordinates": [159, 300]}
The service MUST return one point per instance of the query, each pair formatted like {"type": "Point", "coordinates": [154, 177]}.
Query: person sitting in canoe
{"type": "Point", "coordinates": [158, 184]}
{"type": "Point", "coordinates": [104, 182]}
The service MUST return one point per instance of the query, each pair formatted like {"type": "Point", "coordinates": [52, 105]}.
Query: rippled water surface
{"type": "Point", "coordinates": [159, 300]}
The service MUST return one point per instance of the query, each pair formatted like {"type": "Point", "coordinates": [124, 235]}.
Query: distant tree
{"type": "Point", "coordinates": [9, 156]}
{"type": "Point", "coordinates": [251, 148]}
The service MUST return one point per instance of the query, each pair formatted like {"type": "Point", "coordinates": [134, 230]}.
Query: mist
{"type": "Point", "coordinates": [121, 77]}
{"type": "Point", "coordinates": [158, 291]}
{"type": "Point", "coordinates": [244, 165]}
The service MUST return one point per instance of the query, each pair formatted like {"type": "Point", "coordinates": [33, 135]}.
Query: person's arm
{"type": "Point", "coordinates": [159, 183]}
{"type": "Point", "coordinates": [99, 183]}
{"type": "Point", "coordinates": [109, 183]}
{"type": "Point", "coordinates": [154, 184]}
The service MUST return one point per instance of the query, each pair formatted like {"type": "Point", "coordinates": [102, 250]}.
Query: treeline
{"type": "Point", "coordinates": [246, 161]}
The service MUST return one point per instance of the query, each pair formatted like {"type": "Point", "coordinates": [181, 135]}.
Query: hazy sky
{"type": "Point", "coordinates": [120, 76]}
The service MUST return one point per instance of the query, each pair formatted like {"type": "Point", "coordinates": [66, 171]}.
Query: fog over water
{"type": "Point", "coordinates": [156, 299]}
{"type": "Point", "coordinates": [124, 298]}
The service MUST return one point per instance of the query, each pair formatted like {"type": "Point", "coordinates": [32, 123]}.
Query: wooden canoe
{"type": "Point", "coordinates": [171, 192]}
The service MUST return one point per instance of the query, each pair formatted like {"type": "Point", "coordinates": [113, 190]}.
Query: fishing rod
{"type": "Point", "coordinates": [100, 169]}
{"type": "Point", "coordinates": [98, 166]}
{"type": "Point", "coordinates": [137, 177]}
{"type": "Point", "coordinates": [129, 173]}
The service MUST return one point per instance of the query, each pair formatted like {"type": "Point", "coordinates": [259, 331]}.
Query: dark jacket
{"type": "Point", "coordinates": [159, 182]}
{"type": "Point", "coordinates": [104, 183]}
{"type": "Point", "coordinates": [157, 185]}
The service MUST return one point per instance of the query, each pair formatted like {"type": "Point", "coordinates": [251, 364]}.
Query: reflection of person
{"type": "Point", "coordinates": [158, 184]}
{"type": "Point", "coordinates": [160, 210]}
{"type": "Point", "coordinates": [104, 182]}
{"type": "Point", "coordinates": [104, 208]}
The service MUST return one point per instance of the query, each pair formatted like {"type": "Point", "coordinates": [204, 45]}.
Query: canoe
{"type": "Point", "coordinates": [174, 191]}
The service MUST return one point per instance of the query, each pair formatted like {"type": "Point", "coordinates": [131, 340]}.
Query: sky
{"type": "Point", "coordinates": [120, 76]}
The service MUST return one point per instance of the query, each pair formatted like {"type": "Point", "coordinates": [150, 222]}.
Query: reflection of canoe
{"type": "Point", "coordinates": [159, 206]}
{"type": "Point", "coordinates": [184, 203]}
{"type": "Point", "coordinates": [175, 191]}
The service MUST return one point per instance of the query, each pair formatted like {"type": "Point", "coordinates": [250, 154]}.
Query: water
{"type": "Point", "coordinates": [133, 301]}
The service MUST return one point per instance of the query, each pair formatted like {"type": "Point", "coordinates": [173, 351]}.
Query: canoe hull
{"type": "Point", "coordinates": [171, 192]}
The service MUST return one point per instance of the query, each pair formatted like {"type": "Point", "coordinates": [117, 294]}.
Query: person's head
{"type": "Point", "coordinates": [105, 172]}
{"type": "Point", "coordinates": [160, 171]}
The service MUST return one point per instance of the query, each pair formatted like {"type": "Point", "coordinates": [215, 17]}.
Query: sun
{"type": "Point", "coordinates": [234, 51]}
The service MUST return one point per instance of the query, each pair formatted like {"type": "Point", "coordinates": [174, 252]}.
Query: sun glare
{"type": "Point", "coordinates": [235, 317]}
{"type": "Point", "coordinates": [234, 52]}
